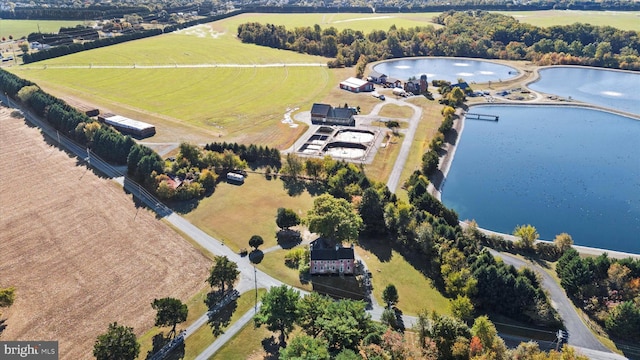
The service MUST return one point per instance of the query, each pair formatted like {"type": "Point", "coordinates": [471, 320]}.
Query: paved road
{"type": "Point", "coordinates": [579, 333]}
{"type": "Point", "coordinates": [580, 336]}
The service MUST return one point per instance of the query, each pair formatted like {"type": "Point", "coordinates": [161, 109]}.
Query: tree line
{"type": "Point", "coordinates": [606, 289]}
{"type": "Point", "coordinates": [477, 34]}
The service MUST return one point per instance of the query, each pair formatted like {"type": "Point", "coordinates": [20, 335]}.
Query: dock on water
{"type": "Point", "coordinates": [477, 116]}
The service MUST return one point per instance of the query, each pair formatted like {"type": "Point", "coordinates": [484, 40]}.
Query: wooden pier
{"type": "Point", "coordinates": [481, 116]}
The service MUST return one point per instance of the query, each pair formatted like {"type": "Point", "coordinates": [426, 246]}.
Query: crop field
{"type": "Point", "coordinates": [625, 20]}
{"type": "Point", "coordinates": [79, 252]}
{"type": "Point", "coordinates": [20, 28]}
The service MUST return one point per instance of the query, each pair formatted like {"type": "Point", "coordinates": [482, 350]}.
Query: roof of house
{"type": "Point", "coordinates": [343, 113]}
{"type": "Point", "coordinates": [321, 250]}
{"type": "Point", "coordinates": [354, 82]}
{"type": "Point", "coordinates": [376, 74]}
{"type": "Point", "coordinates": [320, 109]}
{"type": "Point", "coordinates": [462, 85]}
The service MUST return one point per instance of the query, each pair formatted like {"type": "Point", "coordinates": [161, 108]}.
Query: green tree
{"type": "Point", "coordinates": [389, 318]}
{"type": "Point", "coordinates": [7, 296]}
{"type": "Point", "coordinates": [390, 295]}
{"type": "Point", "coordinates": [118, 343]}
{"type": "Point", "coordinates": [256, 241]}
{"type": "Point", "coordinates": [170, 312]}
{"type": "Point", "coordinates": [278, 310]}
{"type": "Point", "coordinates": [189, 153]}
{"type": "Point", "coordinates": [311, 308]}
{"type": "Point", "coordinates": [624, 320]}
{"type": "Point", "coordinates": [485, 330]}
{"type": "Point", "coordinates": [527, 234]}
{"type": "Point", "coordinates": [345, 323]}
{"type": "Point", "coordinates": [445, 331]}
{"type": "Point", "coordinates": [371, 211]}
{"type": "Point", "coordinates": [461, 307]}
{"type": "Point", "coordinates": [287, 218]}
{"type": "Point", "coordinates": [224, 272]}
{"type": "Point", "coordinates": [304, 347]}
{"type": "Point", "coordinates": [293, 166]}
{"type": "Point", "coordinates": [334, 219]}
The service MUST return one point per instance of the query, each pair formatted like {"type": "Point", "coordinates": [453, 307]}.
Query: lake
{"type": "Point", "coordinates": [449, 69]}
{"type": "Point", "coordinates": [612, 89]}
{"type": "Point", "coordinates": [561, 169]}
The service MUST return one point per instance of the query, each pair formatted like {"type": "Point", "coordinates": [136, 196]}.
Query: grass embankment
{"type": "Point", "coordinates": [234, 213]}
{"type": "Point", "coordinates": [415, 290]}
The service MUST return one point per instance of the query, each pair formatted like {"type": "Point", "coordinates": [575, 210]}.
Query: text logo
{"type": "Point", "coordinates": [31, 350]}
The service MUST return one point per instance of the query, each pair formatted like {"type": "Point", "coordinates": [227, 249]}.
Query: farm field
{"type": "Point", "coordinates": [20, 28]}
{"type": "Point", "coordinates": [93, 258]}
{"type": "Point", "coordinates": [625, 20]}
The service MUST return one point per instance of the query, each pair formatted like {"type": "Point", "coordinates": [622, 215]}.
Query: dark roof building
{"type": "Point", "coordinates": [323, 114]}
{"type": "Point", "coordinates": [326, 259]}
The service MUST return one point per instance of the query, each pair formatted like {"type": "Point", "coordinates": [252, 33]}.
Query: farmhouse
{"type": "Point", "coordinates": [331, 260]}
{"type": "Point", "coordinates": [129, 126]}
{"type": "Point", "coordinates": [417, 86]}
{"type": "Point", "coordinates": [323, 114]}
{"type": "Point", "coordinates": [356, 85]}
{"type": "Point", "coordinates": [377, 77]}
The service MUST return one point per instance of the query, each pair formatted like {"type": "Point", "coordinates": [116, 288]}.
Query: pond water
{"type": "Point", "coordinates": [449, 69]}
{"type": "Point", "coordinates": [613, 89]}
{"type": "Point", "coordinates": [561, 169]}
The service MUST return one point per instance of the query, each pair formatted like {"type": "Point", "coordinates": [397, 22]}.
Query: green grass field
{"type": "Point", "coordinates": [415, 290]}
{"type": "Point", "coordinates": [625, 20]}
{"type": "Point", "coordinates": [235, 213]}
{"type": "Point", "coordinates": [20, 28]}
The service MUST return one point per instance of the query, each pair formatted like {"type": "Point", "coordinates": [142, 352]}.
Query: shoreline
{"type": "Point", "coordinates": [450, 148]}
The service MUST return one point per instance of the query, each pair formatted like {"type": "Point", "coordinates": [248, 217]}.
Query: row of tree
{"type": "Point", "coordinates": [477, 34]}
{"type": "Point", "coordinates": [253, 154]}
{"type": "Point", "coordinates": [607, 289]}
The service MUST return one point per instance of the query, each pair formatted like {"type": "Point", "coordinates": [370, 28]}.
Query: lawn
{"type": "Point", "coordinates": [415, 290]}
{"type": "Point", "coordinates": [246, 344]}
{"type": "Point", "coordinates": [234, 213]}
{"type": "Point", "coordinates": [273, 265]}
{"type": "Point", "coordinates": [625, 20]}
{"type": "Point", "coordinates": [203, 337]}
{"type": "Point", "coordinates": [20, 28]}
{"type": "Point", "coordinates": [250, 111]}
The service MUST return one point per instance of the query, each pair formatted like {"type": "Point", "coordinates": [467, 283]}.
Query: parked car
{"type": "Point", "coordinates": [381, 97]}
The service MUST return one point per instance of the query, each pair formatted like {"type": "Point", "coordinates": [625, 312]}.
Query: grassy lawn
{"type": "Point", "coordinates": [234, 213]}
{"type": "Point", "coordinates": [385, 158]}
{"type": "Point", "coordinates": [203, 337]}
{"type": "Point", "coordinates": [363, 22]}
{"type": "Point", "coordinates": [247, 344]}
{"type": "Point", "coordinates": [625, 20]}
{"type": "Point", "coordinates": [273, 265]}
{"type": "Point", "coordinates": [427, 129]}
{"type": "Point", "coordinates": [389, 267]}
{"type": "Point", "coordinates": [20, 28]}
{"type": "Point", "coordinates": [196, 308]}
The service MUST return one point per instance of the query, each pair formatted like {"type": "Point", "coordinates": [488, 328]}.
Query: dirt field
{"type": "Point", "coordinates": [78, 251]}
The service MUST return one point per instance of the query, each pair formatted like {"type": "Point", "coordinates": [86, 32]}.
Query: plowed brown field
{"type": "Point", "coordinates": [78, 251]}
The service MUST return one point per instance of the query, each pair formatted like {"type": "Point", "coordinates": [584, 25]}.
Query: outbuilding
{"type": "Point", "coordinates": [356, 85]}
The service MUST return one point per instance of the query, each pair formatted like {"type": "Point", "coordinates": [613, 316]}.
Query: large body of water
{"type": "Point", "coordinates": [613, 89]}
{"type": "Point", "coordinates": [561, 169]}
{"type": "Point", "coordinates": [446, 69]}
